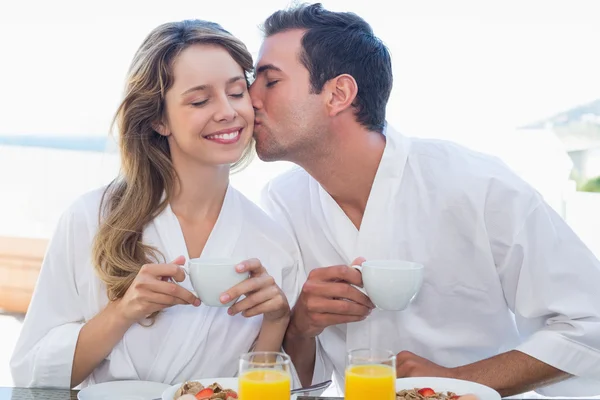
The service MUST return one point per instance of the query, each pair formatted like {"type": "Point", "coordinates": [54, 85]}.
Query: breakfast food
{"type": "Point", "coordinates": [425, 394]}
{"type": "Point", "coordinates": [200, 392]}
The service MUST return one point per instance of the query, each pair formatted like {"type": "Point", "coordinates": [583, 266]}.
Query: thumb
{"type": "Point", "coordinates": [359, 261]}
{"type": "Point", "coordinates": [179, 260]}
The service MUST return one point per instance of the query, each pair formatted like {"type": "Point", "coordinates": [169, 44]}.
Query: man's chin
{"type": "Point", "coordinates": [268, 155]}
{"type": "Point", "coordinates": [265, 157]}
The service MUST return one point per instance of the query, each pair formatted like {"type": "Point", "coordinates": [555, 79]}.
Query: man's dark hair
{"type": "Point", "coordinates": [338, 43]}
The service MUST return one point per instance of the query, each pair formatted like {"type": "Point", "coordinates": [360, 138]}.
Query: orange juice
{"type": "Point", "coordinates": [260, 384]}
{"type": "Point", "coordinates": [370, 381]}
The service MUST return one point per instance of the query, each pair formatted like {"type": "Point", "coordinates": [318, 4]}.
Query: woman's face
{"type": "Point", "coordinates": [209, 117]}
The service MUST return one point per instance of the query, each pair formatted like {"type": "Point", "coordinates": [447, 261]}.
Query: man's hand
{"type": "Point", "coordinates": [508, 373]}
{"type": "Point", "coordinates": [411, 365]}
{"type": "Point", "coordinates": [328, 298]}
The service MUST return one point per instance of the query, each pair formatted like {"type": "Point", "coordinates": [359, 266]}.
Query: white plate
{"type": "Point", "coordinates": [123, 390]}
{"type": "Point", "coordinates": [446, 384]}
{"type": "Point", "coordinates": [226, 383]}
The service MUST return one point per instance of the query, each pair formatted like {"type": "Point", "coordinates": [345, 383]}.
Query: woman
{"type": "Point", "coordinates": [105, 306]}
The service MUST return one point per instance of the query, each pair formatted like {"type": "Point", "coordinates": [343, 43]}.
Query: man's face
{"type": "Point", "coordinates": [289, 117]}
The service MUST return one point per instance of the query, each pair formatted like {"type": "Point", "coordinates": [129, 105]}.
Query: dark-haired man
{"type": "Point", "coordinates": [510, 295]}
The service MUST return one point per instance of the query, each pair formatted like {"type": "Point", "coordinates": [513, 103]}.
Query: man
{"type": "Point", "coordinates": [509, 295]}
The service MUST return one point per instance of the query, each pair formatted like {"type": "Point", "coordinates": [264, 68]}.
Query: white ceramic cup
{"type": "Point", "coordinates": [211, 277]}
{"type": "Point", "coordinates": [391, 284]}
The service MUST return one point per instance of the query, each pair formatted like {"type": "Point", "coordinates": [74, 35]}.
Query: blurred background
{"type": "Point", "coordinates": [515, 79]}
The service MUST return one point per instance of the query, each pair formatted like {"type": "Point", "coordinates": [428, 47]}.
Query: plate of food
{"type": "Point", "coordinates": [204, 389]}
{"type": "Point", "coordinates": [441, 389]}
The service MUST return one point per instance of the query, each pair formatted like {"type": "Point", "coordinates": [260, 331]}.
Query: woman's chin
{"type": "Point", "coordinates": [226, 159]}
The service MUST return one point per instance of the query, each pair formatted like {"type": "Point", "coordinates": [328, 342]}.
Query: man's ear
{"type": "Point", "coordinates": [161, 128]}
{"type": "Point", "coordinates": [342, 91]}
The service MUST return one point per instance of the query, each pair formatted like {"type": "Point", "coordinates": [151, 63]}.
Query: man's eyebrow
{"type": "Point", "coordinates": [267, 67]}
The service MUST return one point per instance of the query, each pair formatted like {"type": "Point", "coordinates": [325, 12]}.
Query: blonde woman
{"type": "Point", "coordinates": [105, 307]}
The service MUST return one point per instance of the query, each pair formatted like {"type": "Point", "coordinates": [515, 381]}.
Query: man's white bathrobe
{"type": "Point", "coordinates": [502, 270]}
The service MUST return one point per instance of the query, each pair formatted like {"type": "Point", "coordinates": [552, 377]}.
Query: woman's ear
{"type": "Point", "coordinates": [161, 128]}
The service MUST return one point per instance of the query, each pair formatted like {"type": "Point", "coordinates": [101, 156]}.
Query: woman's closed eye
{"type": "Point", "coordinates": [271, 83]}
{"type": "Point", "coordinates": [203, 102]}
{"type": "Point", "coordinates": [199, 103]}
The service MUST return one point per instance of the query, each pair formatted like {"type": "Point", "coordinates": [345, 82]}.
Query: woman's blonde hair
{"type": "Point", "coordinates": [147, 178]}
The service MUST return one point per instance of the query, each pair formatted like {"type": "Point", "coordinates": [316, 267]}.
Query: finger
{"type": "Point", "coordinates": [325, 320]}
{"type": "Point", "coordinates": [254, 299]}
{"type": "Point", "coordinates": [163, 300]}
{"type": "Point", "coordinates": [406, 364]}
{"type": "Point", "coordinates": [337, 290]}
{"type": "Point", "coordinates": [273, 304]}
{"type": "Point", "coordinates": [158, 271]}
{"type": "Point", "coordinates": [340, 307]}
{"type": "Point", "coordinates": [406, 369]}
{"type": "Point", "coordinates": [173, 290]}
{"type": "Point", "coordinates": [179, 260]}
{"type": "Point", "coordinates": [180, 272]}
{"type": "Point", "coordinates": [401, 372]}
{"type": "Point", "coordinates": [336, 273]}
{"type": "Point", "coordinates": [358, 261]}
{"type": "Point", "coordinates": [246, 287]}
{"type": "Point", "coordinates": [405, 356]}
{"type": "Point", "coordinates": [253, 266]}
{"type": "Point", "coordinates": [179, 275]}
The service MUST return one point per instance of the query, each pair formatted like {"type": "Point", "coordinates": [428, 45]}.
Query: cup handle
{"type": "Point", "coordinates": [186, 270]}
{"type": "Point", "coordinates": [362, 290]}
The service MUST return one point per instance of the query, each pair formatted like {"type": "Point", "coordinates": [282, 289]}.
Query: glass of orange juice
{"type": "Point", "coordinates": [264, 375]}
{"type": "Point", "coordinates": [370, 374]}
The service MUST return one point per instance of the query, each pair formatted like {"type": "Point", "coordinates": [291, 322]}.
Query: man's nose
{"type": "Point", "coordinates": [255, 95]}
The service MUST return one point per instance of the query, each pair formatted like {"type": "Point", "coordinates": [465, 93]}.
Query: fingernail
{"type": "Point", "coordinates": [224, 298]}
{"type": "Point", "coordinates": [197, 302]}
{"type": "Point", "coordinates": [239, 267]}
{"type": "Point", "coordinates": [229, 311]}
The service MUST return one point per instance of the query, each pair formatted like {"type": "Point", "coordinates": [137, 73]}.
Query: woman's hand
{"type": "Point", "coordinates": [263, 296]}
{"type": "Point", "coordinates": [151, 291]}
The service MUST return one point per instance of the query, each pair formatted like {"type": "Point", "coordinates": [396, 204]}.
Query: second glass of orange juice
{"type": "Point", "coordinates": [264, 375]}
{"type": "Point", "coordinates": [370, 374]}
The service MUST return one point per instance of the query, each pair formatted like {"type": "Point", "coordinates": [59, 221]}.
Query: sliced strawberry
{"type": "Point", "coordinates": [204, 394]}
{"type": "Point", "coordinates": [231, 394]}
{"type": "Point", "coordinates": [426, 392]}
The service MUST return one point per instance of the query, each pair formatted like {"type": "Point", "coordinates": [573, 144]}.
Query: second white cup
{"type": "Point", "coordinates": [391, 284]}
